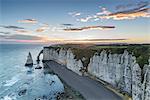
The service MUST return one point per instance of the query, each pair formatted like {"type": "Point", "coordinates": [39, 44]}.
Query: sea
{"type": "Point", "coordinates": [18, 82]}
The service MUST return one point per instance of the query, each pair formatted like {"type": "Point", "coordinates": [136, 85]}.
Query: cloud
{"type": "Point", "coordinates": [123, 7]}
{"type": "Point", "coordinates": [131, 5]}
{"type": "Point", "coordinates": [98, 40]}
{"type": "Point", "coordinates": [88, 28]}
{"type": "Point", "coordinates": [129, 11]}
{"type": "Point", "coordinates": [85, 19]}
{"type": "Point", "coordinates": [56, 29]}
{"type": "Point", "coordinates": [141, 11]}
{"type": "Point", "coordinates": [22, 31]}
{"type": "Point", "coordinates": [2, 36]}
{"type": "Point", "coordinates": [12, 27]}
{"type": "Point", "coordinates": [4, 32]}
{"type": "Point", "coordinates": [67, 24]}
{"type": "Point", "coordinates": [28, 21]}
{"type": "Point", "coordinates": [95, 17]}
{"type": "Point", "coordinates": [104, 11]}
{"type": "Point", "coordinates": [16, 29]}
{"type": "Point", "coordinates": [21, 37]}
{"type": "Point", "coordinates": [74, 14]}
{"type": "Point", "coordinates": [103, 39]}
{"type": "Point", "coordinates": [43, 28]}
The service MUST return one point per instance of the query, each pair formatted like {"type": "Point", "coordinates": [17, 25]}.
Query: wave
{"type": "Point", "coordinates": [12, 81]}
{"type": "Point", "coordinates": [9, 97]}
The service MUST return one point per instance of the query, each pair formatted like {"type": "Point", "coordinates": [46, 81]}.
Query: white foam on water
{"type": "Point", "coordinates": [11, 97]}
{"type": "Point", "coordinates": [12, 81]}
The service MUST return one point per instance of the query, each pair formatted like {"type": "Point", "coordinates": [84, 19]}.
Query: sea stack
{"type": "Point", "coordinates": [29, 61]}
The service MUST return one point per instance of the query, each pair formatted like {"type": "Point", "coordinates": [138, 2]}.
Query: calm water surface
{"type": "Point", "coordinates": [18, 82]}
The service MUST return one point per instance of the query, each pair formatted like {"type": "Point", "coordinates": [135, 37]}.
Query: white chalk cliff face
{"type": "Point", "coordinates": [120, 70]}
{"type": "Point", "coordinates": [112, 68]}
{"type": "Point", "coordinates": [64, 57]}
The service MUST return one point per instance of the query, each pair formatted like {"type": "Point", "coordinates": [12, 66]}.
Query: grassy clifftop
{"type": "Point", "coordinates": [86, 51]}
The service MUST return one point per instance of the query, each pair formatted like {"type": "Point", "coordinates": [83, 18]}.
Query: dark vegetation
{"type": "Point", "coordinates": [86, 51]}
{"type": "Point", "coordinates": [84, 55]}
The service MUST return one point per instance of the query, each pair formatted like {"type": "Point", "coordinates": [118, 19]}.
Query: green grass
{"type": "Point", "coordinates": [142, 53]}
{"type": "Point", "coordinates": [103, 47]}
{"type": "Point", "coordinates": [83, 53]}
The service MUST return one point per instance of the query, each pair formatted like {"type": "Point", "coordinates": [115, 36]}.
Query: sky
{"type": "Point", "coordinates": [79, 21]}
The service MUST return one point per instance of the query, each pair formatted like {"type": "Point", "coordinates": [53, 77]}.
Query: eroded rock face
{"type": "Point", "coordinates": [146, 83]}
{"type": "Point", "coordinates": [46, 54]}
{"type": "Point", "coordinates": [29, 61]}
{"type": "Point", "coordinates": [136, 82]}
{"type": "Point", "coordinates": [64, 57]}
{"type": "Point", "coordinates": [120, 70]}
{"type": "Point", "coordinates": [72, 63]}
{"type": "Point", "coordinates": [112, 68]}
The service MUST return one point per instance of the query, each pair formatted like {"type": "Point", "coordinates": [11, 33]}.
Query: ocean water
{"type": "Point", "coordinates": [18, 82]}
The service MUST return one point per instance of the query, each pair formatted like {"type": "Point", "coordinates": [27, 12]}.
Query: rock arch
{"type": "Point", "coordinates": [38, 57]}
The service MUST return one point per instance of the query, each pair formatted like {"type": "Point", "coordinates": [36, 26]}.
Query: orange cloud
{"type": "Point", "coordinates": [128, 14]}
{"type": "Point", "coordinates": [43, 28]}
{"type": "Point", "coordinates": [28, 21]}
{"type": "Point", "coordinates": [22, 31]}
{"type": "Point", "coordinates": [140, 9]}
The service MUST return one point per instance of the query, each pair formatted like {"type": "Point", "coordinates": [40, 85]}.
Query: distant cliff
{"type": "Point", "coordinates": [120, 70]}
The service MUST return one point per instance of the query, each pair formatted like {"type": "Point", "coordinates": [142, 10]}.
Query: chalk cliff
{"type": "Point", "coordinates": [120, 70]}
{"type": "Point", "coordinates": [64, 57]}
{"type": "Point", "coordinates": [29, 61]}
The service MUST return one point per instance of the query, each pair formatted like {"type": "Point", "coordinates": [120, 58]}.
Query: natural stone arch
{"type": "Point", "coordinates": [38, 57]}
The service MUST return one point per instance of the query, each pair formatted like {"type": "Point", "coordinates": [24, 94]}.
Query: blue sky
{"type": "Point", "coordinates": [72, 20]}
